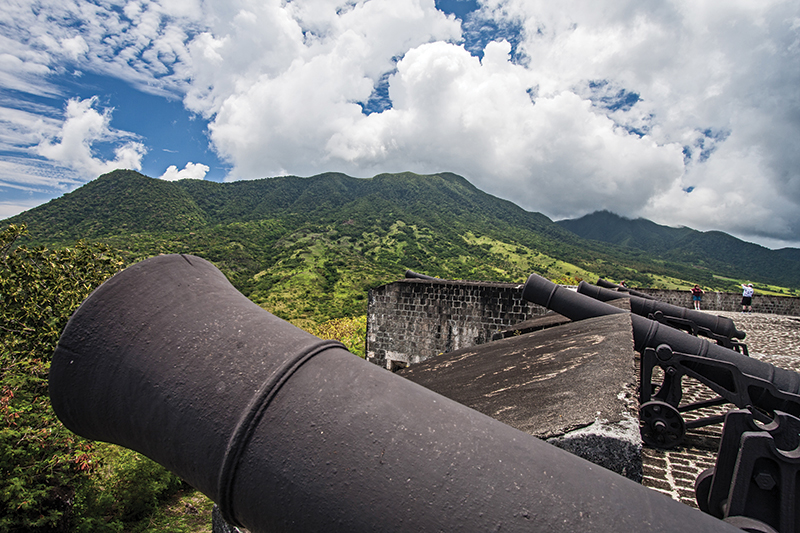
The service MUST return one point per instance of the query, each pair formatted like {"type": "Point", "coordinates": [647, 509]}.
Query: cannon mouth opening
{"type": "Point", "coordinates": [539, 290]}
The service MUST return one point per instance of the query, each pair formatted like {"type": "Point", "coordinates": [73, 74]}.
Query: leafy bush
{"type": "Point", "coordinates": [51, 479]}
{"type": "Point", "coordinates": [126, 487]}
{"type": "Point", "coordinates": [40, 460]}
{"type": "Point", "coordinates": [352, 332]}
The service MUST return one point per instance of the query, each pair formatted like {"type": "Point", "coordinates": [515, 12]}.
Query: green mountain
{"type": "Point", "coordinates": [712, 250]}
{"type": "Point", "coordinates": [309, 248]}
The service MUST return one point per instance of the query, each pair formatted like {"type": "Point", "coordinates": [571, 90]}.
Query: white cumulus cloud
{"type": "Point", "coordinates": [195, 171]}
{"type": "Point", "coordinates": [84, 126]}
{"type": "Point", "coordinates": [682, 111]}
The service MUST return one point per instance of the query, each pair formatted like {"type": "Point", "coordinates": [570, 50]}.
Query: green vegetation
{"type": "Point", "coordinates": [51, 479]}
{"type": "Point", "coordinates": [306, 249]}
{"type": "Point", "coordinates": [352, 332]}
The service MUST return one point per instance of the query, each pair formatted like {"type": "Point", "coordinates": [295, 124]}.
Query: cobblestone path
{"type": "Point", "coordinates": [771, 338]}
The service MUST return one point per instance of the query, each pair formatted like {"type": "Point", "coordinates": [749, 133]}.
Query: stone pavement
{"type": "Point", "coordinates": [771, 338]}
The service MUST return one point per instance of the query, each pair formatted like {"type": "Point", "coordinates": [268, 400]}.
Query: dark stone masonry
{"type": "Point", "coordinates": [729, 301]}
{"type": "Point", "coordinates": [411, 320]}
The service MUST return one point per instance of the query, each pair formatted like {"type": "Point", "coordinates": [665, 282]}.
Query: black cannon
{"type": "Point", "coordinates": [738, 379]}
{"type": "Point", "coordinates": [287, 432]}
{"type": "Point", "coordinates": [410, 274]}
{"type": "Point", "coordinates": [621, 288]}
{"type": "Point", "coordinates": [718, 328]}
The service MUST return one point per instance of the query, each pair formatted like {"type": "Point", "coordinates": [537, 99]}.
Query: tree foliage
{"type": "Point", "coordinates": [51, 479]}
{"type": "Point", "coordinates": [351, 332]}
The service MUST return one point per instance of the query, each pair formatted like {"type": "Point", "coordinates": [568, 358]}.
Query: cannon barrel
{"type": "Point", "coordinates": [643, 307]}
{"type": "Point", "coordinates": [410, 274]}
{"type": "Point", "coordinates": [650, 334]}
{"type": "Point", "coordinates": [287, 432]}
{"type": "Point", "coordinates": [621, 288]}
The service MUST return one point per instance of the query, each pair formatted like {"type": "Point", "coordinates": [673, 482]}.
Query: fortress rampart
{"type": "Point", "coordinates": [411, 320]}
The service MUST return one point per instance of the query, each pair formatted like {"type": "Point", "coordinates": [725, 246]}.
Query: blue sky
{"type": "Point", "coordinates": [172, 135]}
{"type": "Point", "coordinates": [682, 112]}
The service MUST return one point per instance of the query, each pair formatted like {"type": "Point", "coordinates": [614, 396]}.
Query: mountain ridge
{"type": "Point", "coordinates": [714, 250]}
{"type": "Point", "coordinates": [311, 247]}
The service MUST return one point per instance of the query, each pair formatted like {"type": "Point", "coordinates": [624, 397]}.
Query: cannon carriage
{"type": "Point", "coordinates": [755, 480]}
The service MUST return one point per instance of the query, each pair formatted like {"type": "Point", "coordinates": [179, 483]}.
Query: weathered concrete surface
{"type": "Point", "coordinates": [574, 384]}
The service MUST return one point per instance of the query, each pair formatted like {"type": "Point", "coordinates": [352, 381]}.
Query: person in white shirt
{"type": "Point", "coordinates": [747, 298]}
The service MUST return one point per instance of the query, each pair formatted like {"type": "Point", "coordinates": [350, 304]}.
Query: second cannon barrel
{"type": "Point", "coordinates": [643, 307]}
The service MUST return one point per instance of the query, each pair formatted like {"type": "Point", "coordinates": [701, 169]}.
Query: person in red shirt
{"type": "Point", "coordinates": [697, 296]}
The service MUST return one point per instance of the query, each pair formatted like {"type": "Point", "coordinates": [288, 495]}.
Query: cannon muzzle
{"type": "Point", "coordinates": [287, 432]}
{"type": "Point", "coordinates": [650, 334]}
{"type": "Point", "coordinates": [644, 307]}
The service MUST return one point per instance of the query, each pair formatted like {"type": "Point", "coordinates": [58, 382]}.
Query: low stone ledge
{"type": "Point", "coordinates": [573, 385]}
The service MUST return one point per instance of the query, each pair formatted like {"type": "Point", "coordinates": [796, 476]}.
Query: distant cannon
{"type": "Point", "coordinates": [410, 274]}
{"type": "Point", "coordinates": [738, 379]}
{"type": "Point", "coordinates": [621, 288]}
{"type": "Point", "coordinates": [287, 432]}
{"type": "Point", "coordinates": [718, 328]}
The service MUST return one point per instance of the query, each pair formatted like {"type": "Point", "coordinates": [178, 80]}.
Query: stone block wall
{"type": "Point", "coordinates": [411, 320]}
{"type": "Point", "coordinates": [729, 301]}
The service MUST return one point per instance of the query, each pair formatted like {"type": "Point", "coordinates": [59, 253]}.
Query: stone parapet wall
{"type": "Point", "coordinates": [411, 320]}
{"type": "Point", "coordinates": [728, 301]}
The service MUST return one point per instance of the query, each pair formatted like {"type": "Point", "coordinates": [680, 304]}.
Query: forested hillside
{"type": "Point", "coordinates": [308, 249]}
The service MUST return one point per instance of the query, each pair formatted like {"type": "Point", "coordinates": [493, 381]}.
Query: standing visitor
{"type": "Point", "coordinates": [697, 296]}
{"type": "Point", "coordinates": [747, 298]}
